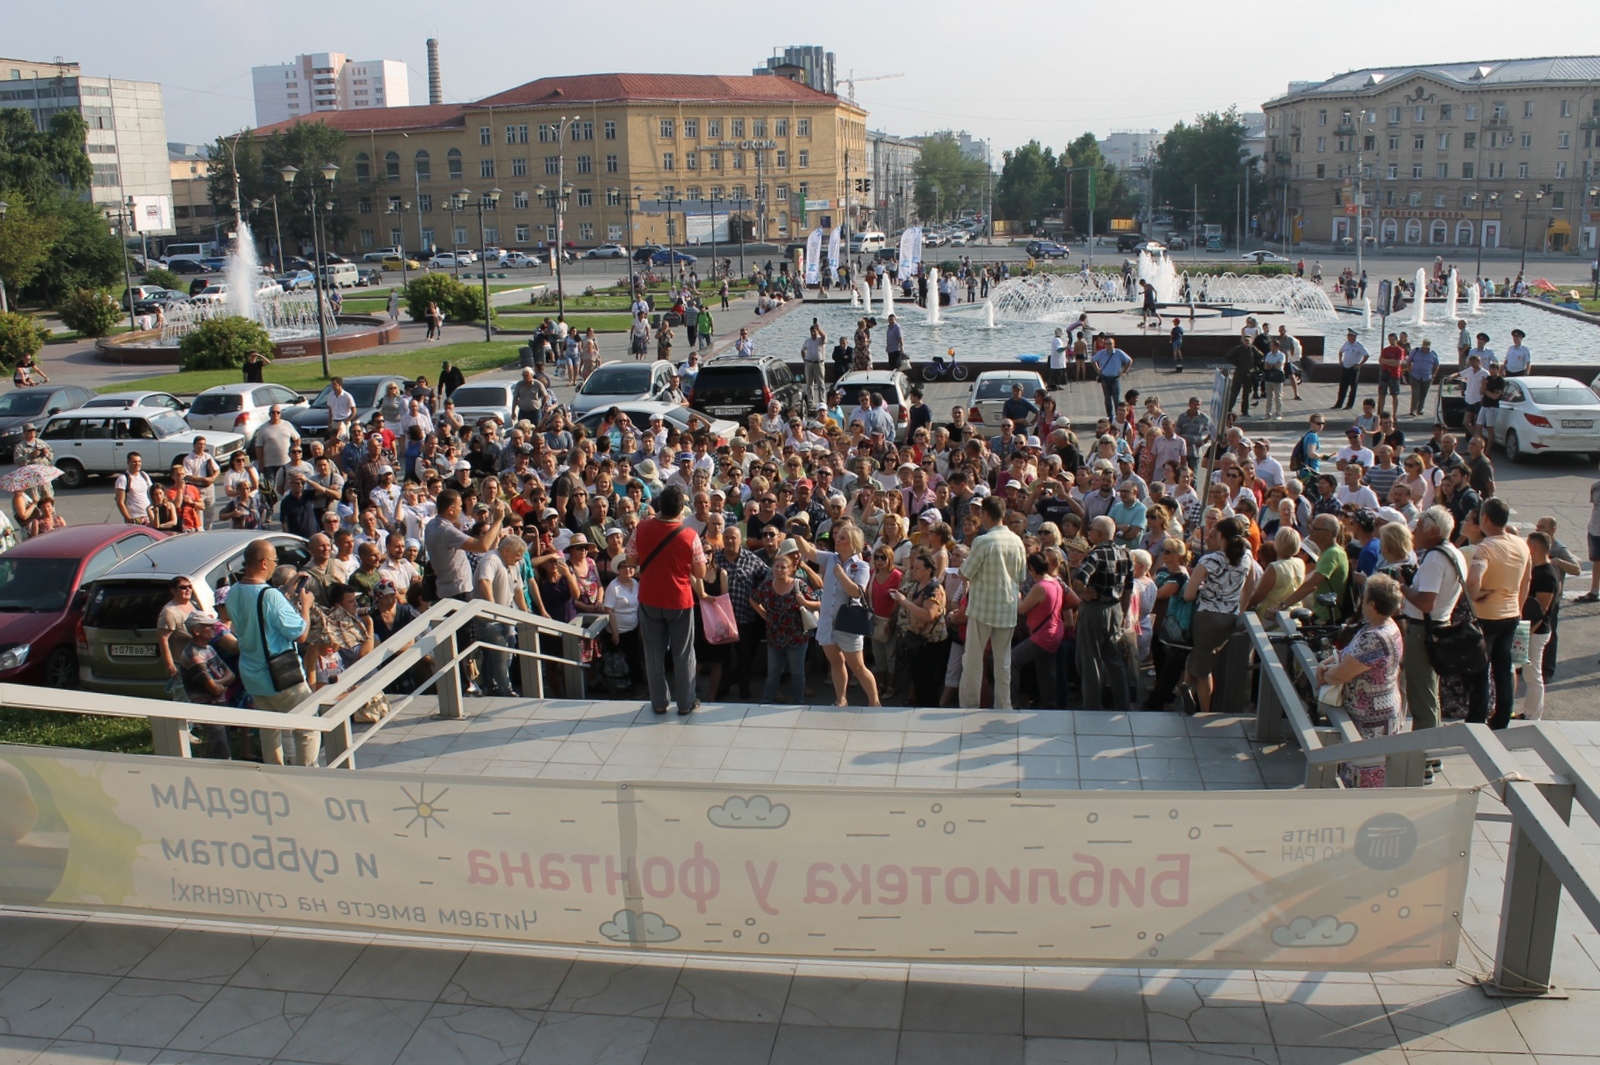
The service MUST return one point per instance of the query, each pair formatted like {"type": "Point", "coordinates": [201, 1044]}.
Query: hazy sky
{"type": "Point", "coordinates": [1003, 71]}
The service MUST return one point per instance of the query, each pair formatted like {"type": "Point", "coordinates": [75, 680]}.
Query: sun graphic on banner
{"type": "Point", "coordinates": [423, 808]}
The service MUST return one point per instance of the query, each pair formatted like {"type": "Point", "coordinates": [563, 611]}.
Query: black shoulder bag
{"type": "Point", "coordinates": [1457, 649]}
{"type": "Point", "coordinates": [283, 666]}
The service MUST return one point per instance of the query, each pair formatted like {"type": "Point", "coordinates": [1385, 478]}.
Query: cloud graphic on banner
{"type": "Point", "coordinates": [1325, 931]}
{"type": "Point", "coordinates": [757, 811]}
{"type": "Point", "coordinates": [626, 926]}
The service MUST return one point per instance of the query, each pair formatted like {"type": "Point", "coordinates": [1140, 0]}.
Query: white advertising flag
{"type": "Point", "coordinates": [814, 257]}
{"type": "Point", "coordinates": [910, 250]}
{"type": "Point", "coordinates": [833, 247]}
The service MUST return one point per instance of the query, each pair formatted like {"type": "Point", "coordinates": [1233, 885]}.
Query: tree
{"type": "Point", "coordinates": [163, 279]}
{"type": "Point", "coordinates": [26, 239]}
{"type": "Point", "coordinates": [222, 344]}
{"type": "Point", "coordinates": [86, 254]}
{"type": "Point", "coordinates": [19, 336]}
{"type": "Point", "coordinates": [37, 162]}
{"type": "Point", "coordinates": [91, 312]}
{"type": "Point", "coordinates": [947, 179]}
{"type": "Point", "coordinates": [1090, 177]}
{"type": "Point", "coordinates": [1203, 165]}
{"type": "Point", "coordinates": [306, 146]}
{"type": "Point", "coordinates": [460, 302]}
{"type": "Point", "coordinates": [1030, 184]}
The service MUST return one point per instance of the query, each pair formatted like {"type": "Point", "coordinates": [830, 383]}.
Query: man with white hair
{"type": "Point", "coordinates": [1431, 595]}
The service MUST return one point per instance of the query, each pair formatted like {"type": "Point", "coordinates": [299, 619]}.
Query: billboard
{"type": "Point", "coordinates": [152, 215]}
{"type": "Point", "coordinates": [1355, 880]}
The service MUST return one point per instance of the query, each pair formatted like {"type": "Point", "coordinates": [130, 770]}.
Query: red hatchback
{"type": "Point", "coordinates": [39, 601]}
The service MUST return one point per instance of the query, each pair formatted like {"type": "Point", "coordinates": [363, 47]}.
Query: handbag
{"type": "Point", "coordinates": [808, 617]}
{"type": "Point", "coordinates": [283, 667]}
{"type": "Point", "coordinates": [1457, 649]}
{"type": "Point", "coordinates": [716, 615]}
{"type": "Point", "coordinates": [854, 617]}
{"type": "Point", "coordinates": [882, 629]}
{"type": "Point", "coordinates": [1519, 643]}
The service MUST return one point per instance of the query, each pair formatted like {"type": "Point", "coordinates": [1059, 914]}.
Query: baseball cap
{"type": "Point", "coordinates": [1356, 429]}
{"type": "Point", "coordinates": [199, 619]}
{"type": "Point", "coordinates": [386, 588]}
{"type": "Point", "coordinates": [1366, 518]}
{"type": "Point", "coordinates": [684, 456]}
{"type": "Point", "coordinates": [931, 516]}
{"type": "Point", "coordinates": [614, 531]}
{"type": "Point", "coordinates": [1063, 422]}
{"type": "Point", "coordinates": [385, 470]}
{"type": "Point", "coordinates": [804, 482]}
{"type": "Point", "coordinates": [548, 512]}
{"type": "Point", "coordinates": [1389, 514]}
{"type": "Point", "coordinates": [1033, 441]}
{"type": "Point", "coordinates": [463, 464]}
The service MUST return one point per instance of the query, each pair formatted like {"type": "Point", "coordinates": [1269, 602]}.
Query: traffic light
{"type": "Point", "coordinates": [863, 185]}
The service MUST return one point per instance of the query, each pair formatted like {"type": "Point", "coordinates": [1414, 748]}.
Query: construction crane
{"type": "Point", "coordinates": [852, 79]}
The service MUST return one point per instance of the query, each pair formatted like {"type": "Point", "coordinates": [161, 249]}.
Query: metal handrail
{"type": "Point", "coordinates": [329, 709]}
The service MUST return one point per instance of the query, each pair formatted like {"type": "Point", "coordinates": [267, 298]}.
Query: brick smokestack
{"type": "Point", "coordinates": [435, 82]}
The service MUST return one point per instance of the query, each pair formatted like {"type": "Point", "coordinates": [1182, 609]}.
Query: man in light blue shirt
{"type": "Point", "coordinates": [1111, 361]}
{"type": "Point", "coordinates": [267, 623]}
{"type": "Point", "coordinates": [1421, 368]}
{"type": "Point", "coordinates": [1129, 514]}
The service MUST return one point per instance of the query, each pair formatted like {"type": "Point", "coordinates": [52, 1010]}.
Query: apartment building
{"type": "Point", "coordinates": [327, 81]}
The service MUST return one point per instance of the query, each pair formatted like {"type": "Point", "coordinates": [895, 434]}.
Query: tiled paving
{"type": "Point", "coordinates": [113, 989]}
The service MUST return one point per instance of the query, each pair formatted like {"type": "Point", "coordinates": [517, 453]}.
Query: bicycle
{"type": "Point", "coordinates": [939, 368]}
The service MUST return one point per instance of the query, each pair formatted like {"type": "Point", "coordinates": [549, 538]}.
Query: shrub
{"type": "Point", "coordinates": [222, 344]}
{"type": "Point", "coordinates": [20, 336]}
{"type": "Point", "coordinates": [459, 302]}
{"type": "Point", "coordinates": [165, 279]}
{"type": "Point", "coordinates": [90, 312]}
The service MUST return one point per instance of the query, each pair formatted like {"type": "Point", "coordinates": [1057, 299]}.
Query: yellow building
{"type": "Point", "coordinates": [773, 153]}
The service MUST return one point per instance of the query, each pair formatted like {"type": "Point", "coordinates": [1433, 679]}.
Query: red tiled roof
{"type": "Point", "coordinates": [379, 119]}
{"type": "Point", "coordinates": [600, 88]}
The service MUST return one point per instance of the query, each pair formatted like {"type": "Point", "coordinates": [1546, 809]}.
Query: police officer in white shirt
{"type": "Point", "coordinates": [1519, 360]}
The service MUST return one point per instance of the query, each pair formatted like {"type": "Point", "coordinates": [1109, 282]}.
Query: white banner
{"type": "Point", "coordinates": [813, 273]}
{"type": "Point", "coordinates": [910, 250]}
{"type": "Point", "coordinates": [152, 214]}
{"type": "Point", "coordinates": [833, 247]}
{"type": "Point", "coordinates": [1353, 880]}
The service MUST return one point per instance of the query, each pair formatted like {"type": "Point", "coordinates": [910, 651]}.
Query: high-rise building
{"type": "Point", "coordinates": [1495, 153]}
{"type": "Point", "coordinates": [327, 81]}
{"type": "Point", "coordinates": [127, 138]}
{"type": "Point", "coordinates": [973, 148]}
{"type": "Point", "coordinates": [890, 164]}
{"type": "Point", "coordinates": [808, 63]}
{"type": "Point", "coordinates": [1130, 149]}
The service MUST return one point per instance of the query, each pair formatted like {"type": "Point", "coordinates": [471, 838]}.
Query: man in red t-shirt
{"type": "Point", "coordinates": [669, 554]}
{"type": "Point", "coordinates": [1390, 361]}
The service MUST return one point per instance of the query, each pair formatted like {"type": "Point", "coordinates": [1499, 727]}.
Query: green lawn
{"type": "Point", "coordinates": [530, 317]}
{"type": "Point", "coordinates": [72, 336]}
{"type": "Point", "coordinates": [306, 376]}
{"type": "Point", "coordinates": [129, 735]}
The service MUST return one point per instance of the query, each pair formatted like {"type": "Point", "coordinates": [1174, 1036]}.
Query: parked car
{"type": "Point", "coordinates": [647, 253]}
{"type": "Point", "coordinates": [1047, 249]}
{"type": "Point", "coordinates": [520, 260]}
{"type": "Point", "coordinates": [39, 602]}
{"type": "Point", "coordinates": [369, 278]}
{"type": "Point", "coordinates": [35, 404]}
{"type": "Point", "coordinates": [932, 238]}
{"type": "Point", "coordinates": [117, 651]}
{"type": "Point", "coordinates": [607, 251]}
{"type": "Point", "coordinates": [663, 256]}
{"type": "Point", "coordinates": [1263, 257]}
{"type": "Point", "coordinates": [125, 400]}
{"type": "Point", "coordinates": [297, 281]}
{"type": "Point", "coordinates": [382, 255]}
{"type": "Point", "coordinates": [98, 440]}
{"type": "Point", "coordinates": [394, 262]}
{"type": "Point", "coordinates": [444, 260]}
{"type": "Point", "coordinates": [240, 408]}
{"type": "Point", "coordinates": [311, 420]}
{"type": "Point", "coordinates": [893, 385]}
{"type": "Point", "coordinates": [187, 266]}
{"type": "Point", "coordinates": [1548, 415]}
{"type": "Point", "coordinates": [991, 389]}
{"type": "Point", "coordinates": [1177, 243]}
{"type": "Point", "coordinates": [141, 294]}
{"type": "Point", "coordinates": [734, 387]}
{"type": "Point", "coordinates": [639, 411]}
{"type": "Point", "coordinates": [616, 382]}
{"type": "Point", "coordinates": [491, 396]}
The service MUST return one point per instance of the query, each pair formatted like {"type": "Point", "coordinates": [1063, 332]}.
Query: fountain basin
{"type": "Point", "coordinates": [356, 332]}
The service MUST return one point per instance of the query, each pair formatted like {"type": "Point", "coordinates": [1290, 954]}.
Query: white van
{"type": "Point", "coordinates": [868, 243]}
{"type": "Point", "coordinates": [188, 252]}
{"type": "Point", "coordinates": [341, 275]}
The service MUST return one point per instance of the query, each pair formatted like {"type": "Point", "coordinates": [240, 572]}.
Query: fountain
{"type": "Point", "coordinates": [855, 296]}
{"type": "Point", "coordinates": [1044, 297]}
{"type": "Point", "coordinates": [289, 318]}
{"type": "Point", "coordinates": [933, 295]}
{"type": "Point", "coordinates": [1451, 297]}
{"type": "Point", "coordinates": [888, 297]}
{"type": "Point", "coordinates": [1366, 312]}
{"type": "Point", "coordinates": [1473, 300]}
{"type": "Point", "coordinates": [1420, 294]}
{"type": "Point", "coordinates": [988, 314]}
{"type": "Point", "coordinates": [1163, 277]}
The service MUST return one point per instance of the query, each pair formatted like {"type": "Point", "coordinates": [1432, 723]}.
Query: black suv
{"type": "Point", "coordinates": [1130, 241]}
{"type": "Point", "coordinates": [733, 387]}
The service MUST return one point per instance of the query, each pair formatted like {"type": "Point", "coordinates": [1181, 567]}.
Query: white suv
{"type": "Point", "coordinates": [893, 385]}
{"type": "Point", "coordinates": [240, 408]}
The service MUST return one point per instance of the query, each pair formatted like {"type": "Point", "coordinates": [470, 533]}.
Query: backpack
{"type": "Point", "coordinates": [614, 671]}
{"type": "Point", "coordinates": [1297, 457]}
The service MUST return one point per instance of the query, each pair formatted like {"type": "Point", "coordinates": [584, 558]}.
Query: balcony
{"type": "Point", "coordinates": [1344, 129]}
{"type": "Point", "coordinates": [1503, 122]}
{"type": "Point", "coordinates": [1592, 122]}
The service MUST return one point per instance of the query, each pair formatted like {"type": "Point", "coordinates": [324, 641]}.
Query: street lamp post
{"type": "Point", "coordinates": [330, 171]}
{"type": "Point", "coordinates": [1527, 205]}
{"type": "Point", "coordinates": [714, 262]}
{"type": "Point", "coordinates": [123, 213]}
{"type": "Point", "coordinates": [5, 303]}
{"type": "Point", "coordinates": [1483, 206]}
{"type": "Point", "coordinates": [458, 201]}
{"type": "Point", "coordinates": [491, 199]}
{"type": "Point", "coordinates": [672, 255]}
{"type": "Point", "coordinates": [627, 244]}
{"type": "Point", "coordinates": [558, 199]}
{"type": "Point", "coordinates": [399, 210]}
{"type": "Point", "coordinates": [277, 233]}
